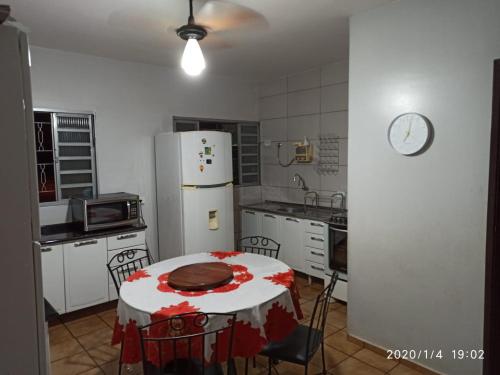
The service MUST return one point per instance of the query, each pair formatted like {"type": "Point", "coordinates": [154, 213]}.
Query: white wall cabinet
{"type": "Point", "coordinates": [85, 276]}
{"type": "Point", "coordinates": [53, 277]}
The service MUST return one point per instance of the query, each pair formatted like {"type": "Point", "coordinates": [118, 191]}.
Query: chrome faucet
{"type": "Point", "coordinates": [342, 199]}
{"type": "Point", "coordinates": [314, 199]}
{"type": "Point", "coordinates": [300, 180]}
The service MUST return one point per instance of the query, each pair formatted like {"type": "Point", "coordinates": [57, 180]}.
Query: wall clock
{"type": "Point", "coordinates": [410, 133]}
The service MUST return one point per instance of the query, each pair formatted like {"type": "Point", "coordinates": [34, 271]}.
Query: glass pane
{"type": "Point", "coordinates": [107, 212]}
{"type": "Point", "coordinates": [84, 192]}
{"type": "Point", "coordinates": [73, 137]}
{"type": "Point", "coordinates": [250, 179]}
{"type": "Point", "coordinates": [248, 129]}
{"type": "Point", "coordinates": [249, 149]}
{"type": "Point", "coordinates": [74, 150]}
{"type": "Point", "coordinates": [249, 169]}
{"type": "Point", "coordinates": [249, 139]}
{"type": "Point", "coordinates": [249, 159]}
{"type": "Point", "coordinates": [185, 126]}
{"type": "Point", "coordinates": [71, 165]}
{"type": "Point", "coordinates": [70, 122]}
{"type": "Point", "coordinates": [76, 178]}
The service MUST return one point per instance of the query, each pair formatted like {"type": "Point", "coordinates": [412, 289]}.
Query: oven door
{"type": "Point", "coordinates": [337, 250]}
{"type": "Point", "coordinates": [110, 214]}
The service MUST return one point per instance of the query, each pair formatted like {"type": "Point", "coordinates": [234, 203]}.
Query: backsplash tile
{"type": "Point", "coordinates": [303, 126]}
{"type": "Point", "coordinates": [272, 107]}
{"type": "Point", "coordinates": [304, 102]}
{"type": "Point", "coordinates": [305, 80]}
{"type": "Point", "coordinates": [337, 72]}
{"type": "Point", "coordinates": [273, 88]}
{"type": "Point", "coordinates": [334, 123]}
{"type": "Point", "coordinates": [334, 98]}
{"type": "Point", "coordinates": [273, 130]}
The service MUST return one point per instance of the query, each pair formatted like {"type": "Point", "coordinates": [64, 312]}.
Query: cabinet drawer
{"type": "Point", "coordinates": [315, 227]}
{"type": "Point", "coordinates": [126, 240]}
{"type": "Point", "coordinates": [315, 269]}
{"type": "Point", "coordinates": [315, 255]}
{"type": "Point", "coordinates": [315, 240]}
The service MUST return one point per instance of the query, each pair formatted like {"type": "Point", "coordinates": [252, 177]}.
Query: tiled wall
{"type": "Point", "coordinates": [308, 104]}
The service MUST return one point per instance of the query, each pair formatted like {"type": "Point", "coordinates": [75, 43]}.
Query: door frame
{"type": "Point", "coordinates": [491, 364]}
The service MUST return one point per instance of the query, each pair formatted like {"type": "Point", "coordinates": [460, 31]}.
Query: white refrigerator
{"type": "Point", "coordinates": [23, 338]}
{"type": "Point", "coordinates": [194, 174]}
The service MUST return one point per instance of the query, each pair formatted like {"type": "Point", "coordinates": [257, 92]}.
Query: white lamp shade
{"type": "Point", "coordinates": [193, 61]}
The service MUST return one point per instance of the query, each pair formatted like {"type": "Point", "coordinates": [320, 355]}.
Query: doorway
{"type": "Point", "coordinates": [492, 285]}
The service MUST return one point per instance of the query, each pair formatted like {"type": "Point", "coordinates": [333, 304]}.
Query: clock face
{"type": "Point", "coordinates": [409, 133]}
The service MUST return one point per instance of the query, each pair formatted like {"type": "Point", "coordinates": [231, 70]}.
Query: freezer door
{"type": "Point", "coordinates": [208, 219]}
{"type": "Point", "coordinates": [206, 158]}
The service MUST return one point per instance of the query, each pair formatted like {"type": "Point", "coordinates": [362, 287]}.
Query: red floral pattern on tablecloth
{"type": "Point", "coordinates": [140, 274]}
{"type": "Point", "coordinates": [131, 345]}
{"type": "Point", "coordinates": [279, 323]}
{"type": "Point", "coordinates": [240, 276]}
{"type": "Point", "coordinates": [225, 254]}
{"type": "Point", "coordinates": [287, 279]}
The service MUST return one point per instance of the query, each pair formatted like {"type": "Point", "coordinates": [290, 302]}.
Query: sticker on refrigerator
{"type": "Point", "coordinates": [213, 220]}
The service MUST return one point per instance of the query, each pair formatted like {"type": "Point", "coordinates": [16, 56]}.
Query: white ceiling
{"type": "Point", "coordinates": [293, 35]}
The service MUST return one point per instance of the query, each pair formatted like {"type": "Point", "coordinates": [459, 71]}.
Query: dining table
{"type": "Point", "coordinates": [261, 291]}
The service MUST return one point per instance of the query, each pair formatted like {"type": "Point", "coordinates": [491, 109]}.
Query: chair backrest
{"type": "Point", "coordinates": [259, 245]}
{"type": "Point", "coordinates": [319, 314]}
{"type": "Point", "coordinates": [126, 262]}
{"type": "Point", "coordinates": [187, 343]}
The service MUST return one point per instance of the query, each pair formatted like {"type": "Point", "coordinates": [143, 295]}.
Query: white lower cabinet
{"type": "Point", "coordinates": [251, 223]}
{"type": "Point", "coordinates": [292, 242]}
{"type": "Point", "coordinates": [86, 279]}
{"type": "Point", "coordinates": [53, 277]}
{"type": "Point", "coordinates": [270, 226]}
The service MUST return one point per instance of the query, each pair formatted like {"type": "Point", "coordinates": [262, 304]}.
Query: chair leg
{"type": "Point", "coordinates": [246, 366]}
{"type": "Point", "coordinates": [305, 369]}
{"type": "Point", "coordinates": [120, 363]}
{"type": "Point", "coordinates": [323, 357]}
{"type": "Point", "coordinates": [269, 366]}
{"type": "Point", "coordinates": [254, 362]}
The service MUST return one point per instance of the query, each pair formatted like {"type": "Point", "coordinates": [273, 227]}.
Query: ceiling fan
{"type": "Point", "coordinates": [220, 23]}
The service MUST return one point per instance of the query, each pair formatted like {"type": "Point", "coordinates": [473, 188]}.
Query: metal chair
{"type": "Point", "coordinates": [304, 341]}
{"type": "Point", "coordinates": [179, 345]}
{"type": "Point", "coordinates": [125, 263]}
{"type": "Point", "coordinates": [259, 245]}
{"type": "Point", "coordinates": [121, 266]}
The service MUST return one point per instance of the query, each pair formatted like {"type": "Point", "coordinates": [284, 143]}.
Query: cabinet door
{"type": "Point", "coordinates": [292, 242]}
{"type": "Point", "coordinates": [85, 273]}
{"type": "Point", "coordinates": [270, 226]}
{"type": "Point", "coordinates": [53, 277]}
{"type": "Point", "coordinates": [251, 223]}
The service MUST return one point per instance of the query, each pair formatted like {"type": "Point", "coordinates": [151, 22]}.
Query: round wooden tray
{"type": "Point", "coordinates": [200, 276]}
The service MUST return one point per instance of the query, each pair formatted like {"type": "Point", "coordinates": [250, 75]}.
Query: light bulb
{"type": "Point", "coordinates": [193, 61]}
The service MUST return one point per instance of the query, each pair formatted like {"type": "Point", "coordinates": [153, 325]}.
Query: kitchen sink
{"type": "Point", "coordinates": [292, 210]}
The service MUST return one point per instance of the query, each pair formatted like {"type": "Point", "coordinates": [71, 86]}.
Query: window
{"type": "Point", "coordinates": [245, 143]}
{"type": "Point", "coordinates": [65, 155]}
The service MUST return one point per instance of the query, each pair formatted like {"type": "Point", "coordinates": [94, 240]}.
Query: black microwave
{"type": "Point", "coordinates": [106, 211]}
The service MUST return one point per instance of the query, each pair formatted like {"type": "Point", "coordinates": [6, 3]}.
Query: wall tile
{"type": "Point", "coordinates": [343, 152]}
{"type": "Point", "coordinates": [271, 193]}
{"type": "Point", "coordinates": [272, 107]}
{"type": "Point", "coordinates": [296, 195]}
{"type": "Point", "coordinates": [309, 174]}
{"type": "Point", "coordinates": [303, 126]}
{"type": "Point", "coordinates": [249, 194]}
{"type": "Point", "coordinates": [337, 72]}
{"type": "Point", "coordinates": [338, 182]}
{"type": "Point", "coordinates": [273, 88]}
{"type": "Point", "coordinates": [268, 153]}
{"type": "Point", "coordinates": [334, 98]}
{"type": "Point", "coordinates": [334, 123]}
{"type": "Point", "coordinates": [303, 102]}
{"type": "Point", "coordinates": [274, 130]}
{"type": "Point", "coordinates": [274, 175]}
{"type": "Point", "coordinates": [304, 80]}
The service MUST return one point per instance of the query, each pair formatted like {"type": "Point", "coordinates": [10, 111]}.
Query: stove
{"type": "Point", "coordinates": [339, 220]}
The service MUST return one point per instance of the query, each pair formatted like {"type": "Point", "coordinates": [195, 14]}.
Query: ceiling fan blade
{"type": "Point", "coordinates": [219, 15]}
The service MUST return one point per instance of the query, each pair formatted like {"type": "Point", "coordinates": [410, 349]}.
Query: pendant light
{"type": "Point", "coordinates": [192, 62]}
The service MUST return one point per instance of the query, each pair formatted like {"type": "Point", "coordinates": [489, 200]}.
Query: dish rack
{"type": "Point", "coordinates": [328, 154]}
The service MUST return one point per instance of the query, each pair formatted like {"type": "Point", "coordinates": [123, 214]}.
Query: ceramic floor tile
{"type": "Point", "coordinates": [64, 348]}
{"type": "Point", "coordinates": [332, 358]}
{"type": "Point", "coordinates": [352, 366]}
{"type": "Point", "coordinates": [340, 342]}
{"type": "Point", "coordinates": [286, 368]}
{"type": "Point", "coordinates": [73, 365]}
{"type": "Point", "coordinates": [404, 370]}
{"type": "Point", "coordinates": [260, 367]}
{"type": "Point", "coordinates": [375, 360]}
{"type": "Point", "coordinates": [111, 368]}
{"type": "Point", "coordinates": [94, 371]}
{"type": "Point", "coordinates": [59, 333]}
{"type": "Point", "coordinates": [339, 306]}
{"type": "Point", "coordinates": [96, 338]}
{"type": "Point", "coordinates": [109, 317]}
{"type": "Point", "coordinates": [104, 353]}
{"type": "Point", "coordinates": [85, 325]}
{"type": "Point", "coordinates": [337, 318]}
{"type": "Point", "coordinates": [308, 293]}
{"type": "Point", "coordinates": [330, 330]}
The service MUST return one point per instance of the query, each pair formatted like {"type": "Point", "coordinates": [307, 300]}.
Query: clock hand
{"type": "Point", "coordinates": [408, 132]}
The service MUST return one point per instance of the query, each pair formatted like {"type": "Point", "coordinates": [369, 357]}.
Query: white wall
{"type": "Point", "coordinates": [417, 224]}
{"type": "Point", "coordinates": [132, 102]}
{"type": "Point", "coordinates": [306, 104]}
